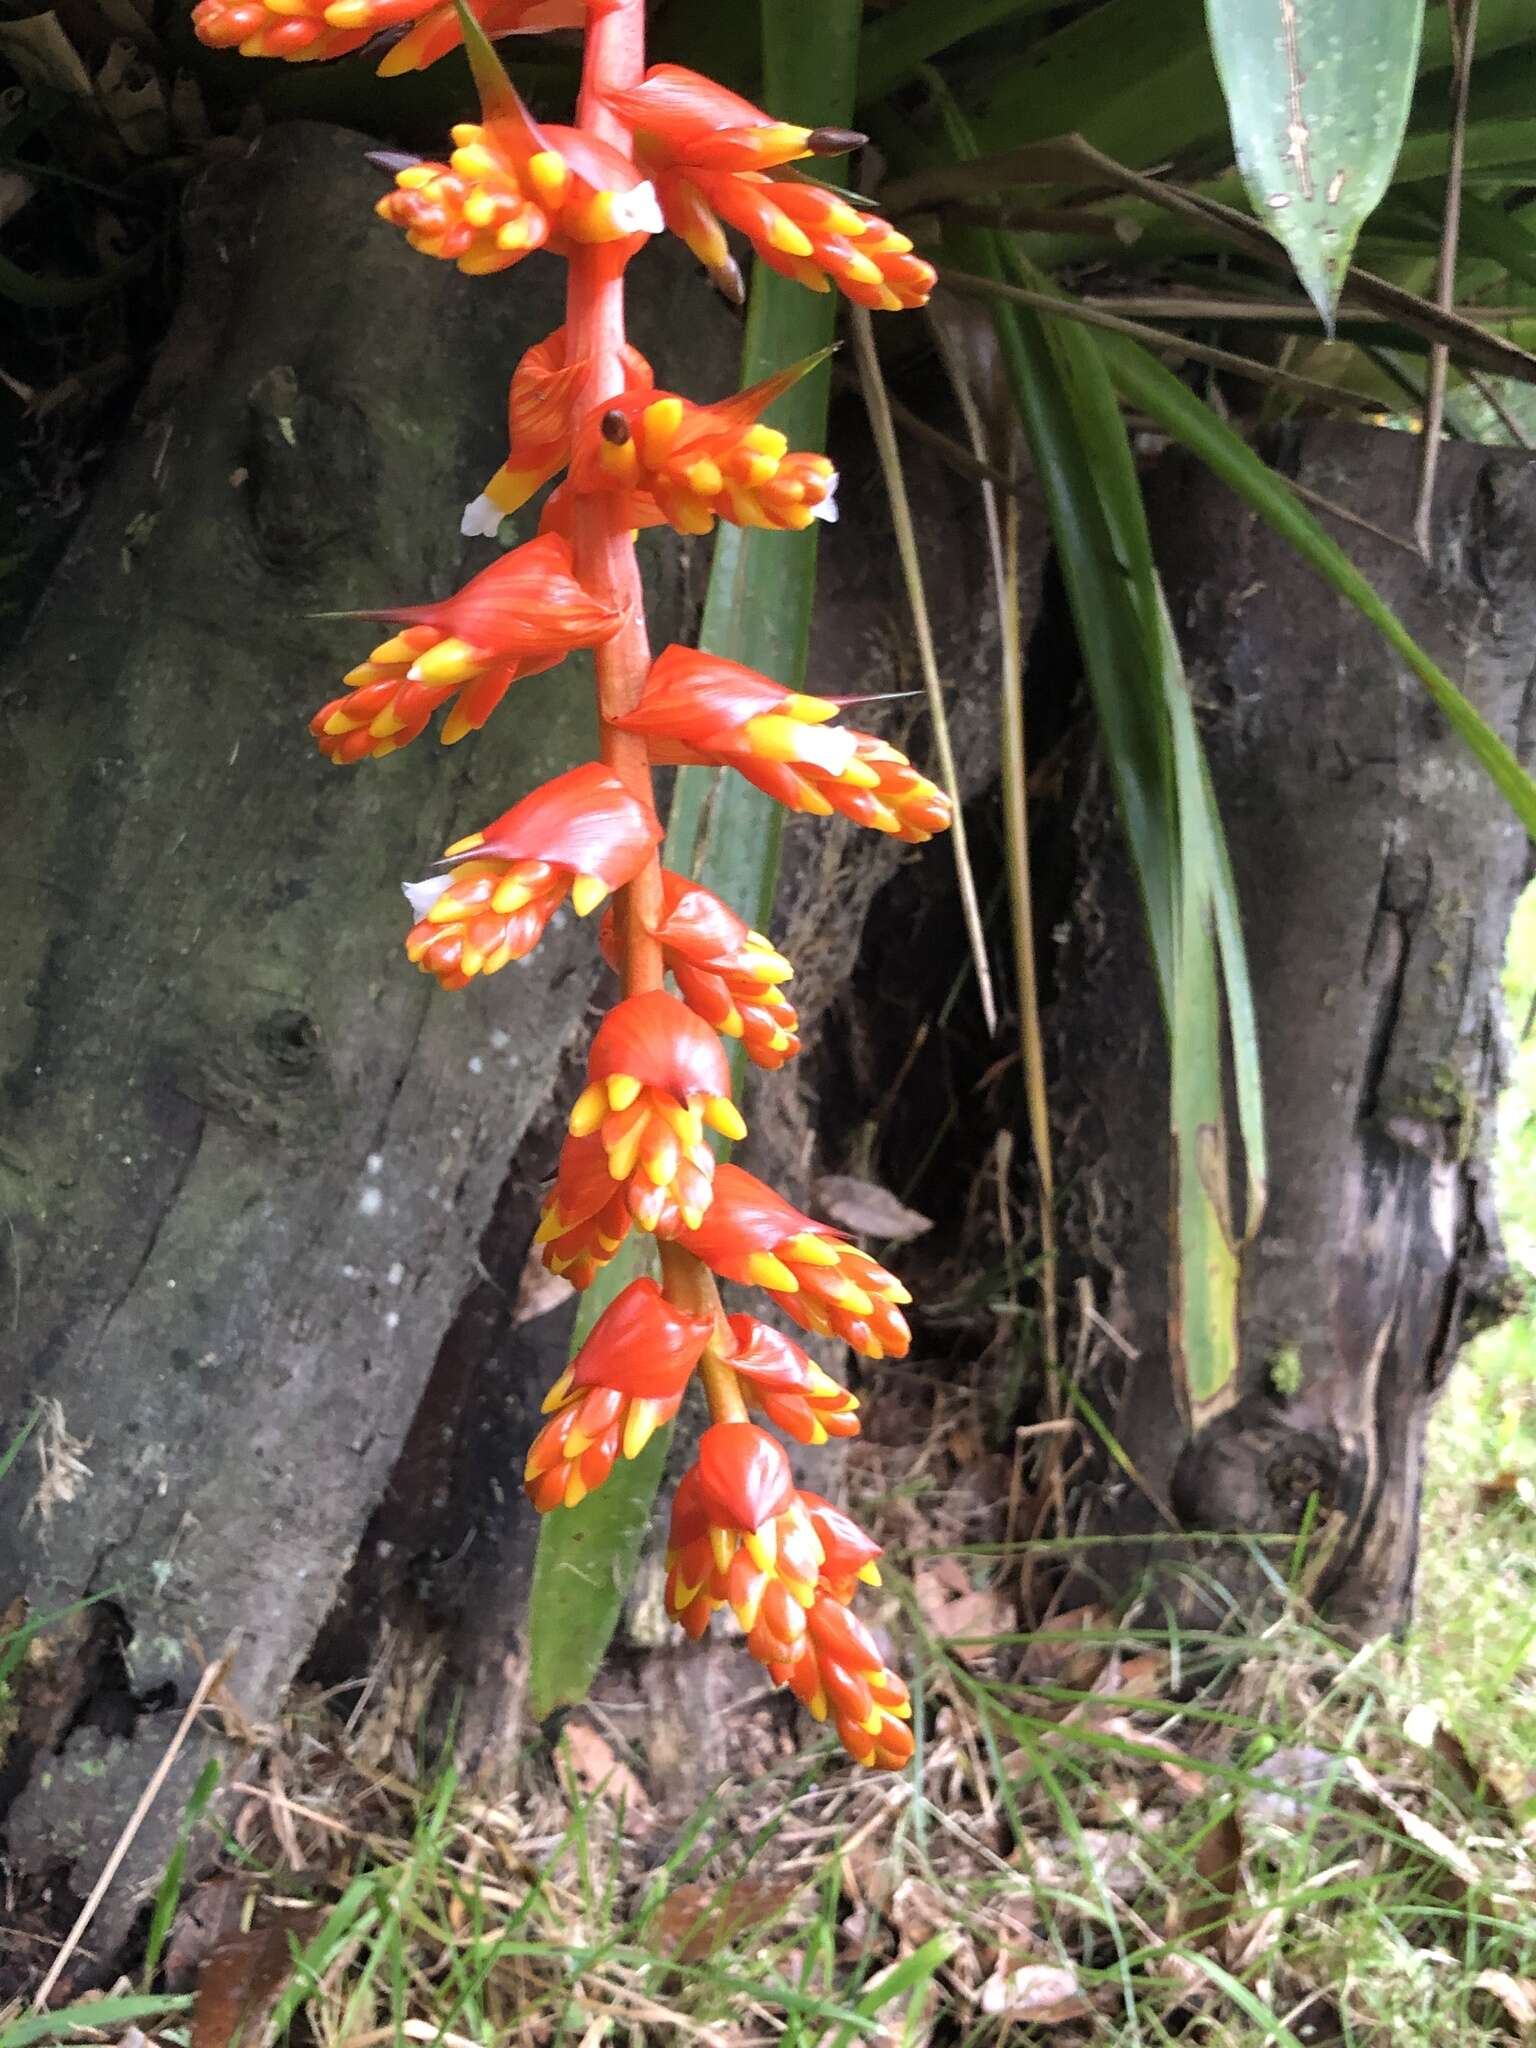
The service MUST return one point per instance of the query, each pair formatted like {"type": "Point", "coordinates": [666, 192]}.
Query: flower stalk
{"type": "Point", "coordinates": [650, 149]}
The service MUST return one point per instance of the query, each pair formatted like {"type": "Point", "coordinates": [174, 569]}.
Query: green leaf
{"type": "Point", "coordinates": [895, 44]}
{"type": "Point", "coordinates": [757, 611]}
{"type": "Point", "coordinates": [1318, 97]}
{"type": "Point", "coordinates": [1082, 455]}
{"type": "Point", "coordinates": [1148, 387]}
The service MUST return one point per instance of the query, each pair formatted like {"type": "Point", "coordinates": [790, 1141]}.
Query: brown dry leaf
{"type": "Point", "coordinates": [600, 1771]}
{"type": "Point", "coordinates": [15, 191]}
{"type": "Point", "coordinates": [42, 55]}
{"type": "Point", "coordinates": [1042, 1993]}
{"type": "Point", "coordinates": [1170, 1758]}
{"type": "Point", "coordinates": [697, 1920]}
{"type": "Point", "coordinates": [1051, 1654]}
{"type": "Point", "coordinates": [1205, 1920]}
{"type": "Point", "coordinates": [134, 101]}
{"type": "Point", "coordinates": [243, 1978]}
{"type": "Point", "coordinates": [538, 1290]}
{"type": "Point", "coordinates": [207, 1915]}
{"type": "Point", "coordinates": [868, 1210]}
{"type": "Point", "coordinates": [978, 1611]}
{"type": "Point", "coordinates": [1517, 1995]}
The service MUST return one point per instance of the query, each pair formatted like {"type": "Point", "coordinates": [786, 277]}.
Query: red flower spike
{"type": "Point", "coordinates": [539, 429]}
{"type": "Point", "coordinates": [708, 152]}
{"type": "Point", "coordinates": [766, 1569]}
{"type": "Point", "coordinates": [625, 1383]}
{"type": "Point", "coordinates": [789, 1387]}
{"type": "Point", "coordinates": [752, 1235]}
{"type": "Point", "coordinates": [697, 463]}
{"type": "Point", "coordinates": [725, 973]}
{"type": "Point", "coordinates": [839, 1673]}
{"type": "Point", "coordinates": [513, 185]}
{"type": "Point", "coordinates": [582, 835]}
{"type": "Point", "coordinates": [699, 708]}
{"type": "Point", "coordinates": [518, 617]}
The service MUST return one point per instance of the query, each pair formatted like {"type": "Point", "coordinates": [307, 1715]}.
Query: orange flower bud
{"type": "Point", "coordinates": [838, 1672]}
{"type": "Point", "coordinates": [697, 463]}
{"type": "Point", "coordinates": [725, 973]}
{"type": "Point", "coordinates": [512, 186]}
{"type": "Point", "coordinates": [304, 31]}
{"type": "Point", "coordinates": [656, 1077]}
{"type": "Point", "coordinates": [708, 152]}
{"type": "Point", "coordinates": [544, 385]}
{"type": "Point", "coordinates": [516, 618]}
{"type": "Point", "coordinates": [742, 1538]}
{"type": "Point", "coordinates": [582, 835]}
{"type": "Point", "coordinates": [752, 1235]}
{"type": "Point", "coordinates": [699, 707]}
{"type": "Point", "coordinates": [787, 1386]}
{"type": "Point", "coordinates": [625, 1383]}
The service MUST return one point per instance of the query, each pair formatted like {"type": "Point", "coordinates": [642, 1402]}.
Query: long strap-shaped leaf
{"type": "Point", "coordinates": [1082, 455]}
{"type": "Point", "coordinates": [757, 611]}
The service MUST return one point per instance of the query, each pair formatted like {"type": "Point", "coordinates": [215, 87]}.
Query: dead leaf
{"type": "Point", "coordinates": [605, 1774]}
{"type": "Point", "coordinates": [1201, 1921]}
{"type": "Point", "coordinates": [1422, 1832]}
{"type": "Point", "coordinates": [207, 1915]}
{"type": "Point", "coordinates": [868, 1210]}
{"type": "Point", "coordinates": [979, 1611]}
{"type": "Point", "coordinates": [15, 191]}
{"type": "Point", "coordinates": [697, 1920]}
{"type": "Point", "coordinates": [43, 55]}
{"type": "Point", "coordinates": [134, 101]}
{"type": "Point", "coordinates": [538, 1290]}
{"type": "Point", "coordinates": [243, 1978]}
{"type": "Point", "coordinates": [1041, 1993]}
{"type": "Point", "coordinates": [1517, 1995]}
{"type": "Point", "coordinates": [1170, 1758]}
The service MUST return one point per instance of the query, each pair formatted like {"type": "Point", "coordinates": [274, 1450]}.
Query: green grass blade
{"type": "Point", "coordinates": [1318, 99]}
{"type": "Point", "coordinates": [89, 2018]}
{"type": "Point", "coordinates": [168, 1891]}
{"type": "Point", "coordinates": [757, 611]}
{"type": "Point", "coordinates": [1146, 385]}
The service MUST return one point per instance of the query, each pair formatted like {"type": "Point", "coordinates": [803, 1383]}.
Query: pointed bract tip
{"type": "Point", "coordinates": [834, 141]}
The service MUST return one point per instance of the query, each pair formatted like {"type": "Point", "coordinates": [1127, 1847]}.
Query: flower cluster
{"type": "Point", "coordinates": [663, 148]}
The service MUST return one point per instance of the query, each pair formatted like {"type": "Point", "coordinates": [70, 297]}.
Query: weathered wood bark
{"type": "Point", "coordinates": [247, 1157]}
{"type": "Point", "coordinates": [1377, 870]}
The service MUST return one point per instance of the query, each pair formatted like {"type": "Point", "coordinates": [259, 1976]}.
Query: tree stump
{"type": "Point", "coordinates": [1377, 869]}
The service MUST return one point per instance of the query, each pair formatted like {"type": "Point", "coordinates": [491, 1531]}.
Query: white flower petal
{"type": "Point", "coordinates": [422, 895]}
{"type": "Point", "coordinates": [638, 212]}
{"type": "Point", "coordinates": [482, 519]}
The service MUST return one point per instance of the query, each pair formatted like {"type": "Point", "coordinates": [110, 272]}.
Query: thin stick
{"type": "Point", "coordinates": [1063, 308]}
{"type": "Point", "coordinates": [1465, 33]}
{"type": "Point", "coordinates": [211, 1677]}
{"type": "Point", "coordinates": [884, 431]}
{"type": "Point", "coordinates": [1224, 312]}
{"type": "Point", "coordinates": [1004, 548]}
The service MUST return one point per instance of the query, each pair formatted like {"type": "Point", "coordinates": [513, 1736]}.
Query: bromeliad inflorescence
{"type": "Point", "coordinates": [650, 149]}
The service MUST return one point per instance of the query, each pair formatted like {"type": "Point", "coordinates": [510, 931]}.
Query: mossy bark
{"type": "Point", "coordinates": [248, 1155]}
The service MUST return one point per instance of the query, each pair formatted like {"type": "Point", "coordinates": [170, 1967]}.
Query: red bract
{"type": "Point", "coordinates": [523, 614]}
{"type": "Point", "coordinates": [697, 463]}
{"type": "Point", "coordinates": [725, 973]}
{"type": "Point", "coordinates": [709, 151]}
{"type": "Point", "coordinates": [789, 1387]}
{"type": "Point", "coordinates": [752, 1235]}
{"type": "Point", "coordinates": [700, 708]}
{"type": "Point", "coordinates": [624, 1384]}
{"type": "Point", "coordinates": [582, 835]}
{"type": "Point", "coordinates": [544, 386]}
{"type": "Point", "coordinates": [848, 1554]}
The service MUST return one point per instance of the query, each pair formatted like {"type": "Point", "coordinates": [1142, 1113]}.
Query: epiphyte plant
{"type": "Point", "coordinates": [650, 150]}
